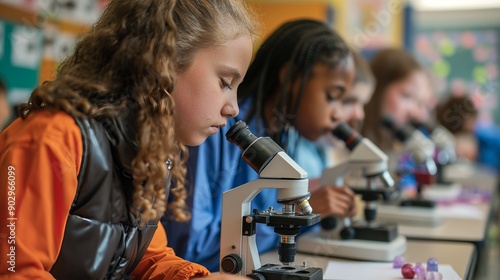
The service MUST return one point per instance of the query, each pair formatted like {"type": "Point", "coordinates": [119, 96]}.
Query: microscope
{"type": "Point", "coordinates": [445, 155]}
{"type": "Point", "coordinates": [362, 240]}
{"type": "Point", "coordinates": [421, 151]}
{"type": "Point", "coordinates": [277, 170]}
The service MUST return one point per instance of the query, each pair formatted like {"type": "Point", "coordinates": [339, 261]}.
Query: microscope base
{"type": "Point", "coordinates": [314, 243]}
{"type": "Point", "coordinates": [283, 272]}
{"type": "Point", "coordinates": [409, 215]}
{"type": "Point", "coordinates": [376, 232]}
{"type": "Point", "coordinates": [442, 191]}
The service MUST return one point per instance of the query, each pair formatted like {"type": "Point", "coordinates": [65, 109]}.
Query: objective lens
{"type": "Point", "coordinates": [305, 207]}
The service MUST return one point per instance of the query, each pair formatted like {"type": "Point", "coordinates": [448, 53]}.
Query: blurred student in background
{"type": "Point", "coordinates": [400, 80]}
{"type": "Point", "coordinates": [423, 115]}
{"type": "Point", "coordinates": [475, 141]}
{"type": "Point", "coordinates": [401, 90]}
{"type": "Point", "coordinates": [5, 109]}
{"type": "Point", "coordinates": [459, 115]}
{"type": "Point", "coordinates": [292, 92]}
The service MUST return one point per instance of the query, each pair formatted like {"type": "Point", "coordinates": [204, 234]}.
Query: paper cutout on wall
{"type": "Point", "coordinates": [26, 47]}
{"type": "Point", "coordinates": [57, 45]}
{"type": "Point", "coordinates": [2, 39]}
{"type": "Point", "coordinates": [64, 44]}
{"type": "Point", "coordinates": [19, 95]}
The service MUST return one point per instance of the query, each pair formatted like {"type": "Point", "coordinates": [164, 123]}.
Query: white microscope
{"type": "Point", "coordinates": [363, 240]}
{"type": "Point", "coordinates": [417, 211]}
{"type": "Point", "coordinates": [446, 155]}
{"type": "Point", "coordinates": [277, 170]}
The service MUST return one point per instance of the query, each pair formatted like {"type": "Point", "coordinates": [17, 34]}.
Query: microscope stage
{"type": "Point", "coordinates": [409, 215]}
{"type": "Point", "coordinates": [313, 243]}
{"type": "Point", "coordinates": [442, 191]}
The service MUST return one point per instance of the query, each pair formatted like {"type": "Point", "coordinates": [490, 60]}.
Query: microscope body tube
{"type": "Point", "coordinates": [416, 143]}
{"type": "Point", "coordinates": [364, 156]}
{"type": "Point", "coordinates": [445, 141]}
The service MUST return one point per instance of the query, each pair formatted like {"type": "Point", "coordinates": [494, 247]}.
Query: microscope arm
{"type": "Point", "coordinates": [238, 203]}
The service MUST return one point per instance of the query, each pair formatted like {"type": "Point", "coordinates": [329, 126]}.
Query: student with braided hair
{"type": "Point", "coordinates": [292, 92]}
{"type": "Point", "coordinates": [86, 171]}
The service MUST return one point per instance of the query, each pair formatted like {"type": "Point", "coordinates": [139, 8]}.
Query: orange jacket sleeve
{"type": "Point", "coordinates": [39, 162]}
{"type": "Point", "coordinates": [160, 262]}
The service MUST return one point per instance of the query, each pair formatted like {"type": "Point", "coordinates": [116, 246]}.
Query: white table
{"type": "Point", "coordinates": [461, 256]}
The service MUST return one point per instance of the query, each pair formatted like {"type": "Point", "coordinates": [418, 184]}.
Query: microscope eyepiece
{"type": "Point", "coordinates": [350, 136]}
{"type": "Point", "coordinates": [401, 133]}
{"type": "Point", "coordinates": [240, 135]}
{"type": "Point", "coordinates": [257, 152]}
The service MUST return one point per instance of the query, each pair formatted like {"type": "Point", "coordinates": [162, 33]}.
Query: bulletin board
{"type": "Point", "coordinates": [20, 55]}
{"type": "Point", "coordinates": [464, 61]}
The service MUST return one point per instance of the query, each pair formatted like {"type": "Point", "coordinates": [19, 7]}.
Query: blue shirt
{"type": "Point", "coordinates": [488, 138]}
{"type": "Point", "coordinates": [215, 167]}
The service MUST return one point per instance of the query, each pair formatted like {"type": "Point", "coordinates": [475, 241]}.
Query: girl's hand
{"type": "Point", "coordinates": [336, 201]}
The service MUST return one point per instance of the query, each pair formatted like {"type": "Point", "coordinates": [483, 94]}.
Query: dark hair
{"type": "Point", "coordinates": [388, 66]}
{"type": "Point", "coordinates": [294, 47]}
{"type": "Point", "coordinates": [129, 60]}
{"type": "Point", "coordinates": [453, 113]}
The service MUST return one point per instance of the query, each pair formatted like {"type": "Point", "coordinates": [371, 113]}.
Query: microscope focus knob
{"type": "Point", "coordinates": [347, 233]}
{"type": "Point", "coordinates": [231, 264]}
{"type": "Point", "coordinates": [329, 223]}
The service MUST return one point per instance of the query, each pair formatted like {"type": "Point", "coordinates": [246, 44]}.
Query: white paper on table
{"type": "Point", "coordinates": [338, 270]}
{"type": "Point", "coordinates": [462, 211]}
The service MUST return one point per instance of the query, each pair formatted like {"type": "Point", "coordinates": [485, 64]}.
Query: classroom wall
{"type": "Point", "coordinates": [463, 54]}
{"type": "Point", "coordinates": [364, 24]}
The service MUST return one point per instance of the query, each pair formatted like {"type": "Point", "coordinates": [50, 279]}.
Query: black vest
{"type": "Point", "coordinates": [102, 239]}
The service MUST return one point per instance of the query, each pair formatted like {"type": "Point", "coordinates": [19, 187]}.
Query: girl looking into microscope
{"type": "Point", "coordinates": [292, 92]}
{"type": "Point", "coordinates": [88, 165]}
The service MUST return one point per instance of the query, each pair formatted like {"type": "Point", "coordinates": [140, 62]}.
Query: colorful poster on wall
{"type": "Point", "coordinates": [464, 62]}
{"type": "Point", "coordinates": [19, 64]}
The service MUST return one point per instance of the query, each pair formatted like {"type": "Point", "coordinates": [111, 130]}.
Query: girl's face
{"type": "Point", "coordinates": [401, 98]}
{"type": "Point", "coordinates": [425, 99]}
{"type": "Point", "coordinates": [353, 103]}
{"type": "Point", "coordinates": [321, 104]}
{"type": "Point", "coordinates": [205, 94]}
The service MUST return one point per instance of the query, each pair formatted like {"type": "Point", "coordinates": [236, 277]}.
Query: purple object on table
{"type": "Point", "coordinates": [433, 275]}
{"type": "Point", "coordinates": [420, 272]}
{"type": "Point", "coordinates": [432, 265]}
{"type": "Point", "coordinates": [398, 262]}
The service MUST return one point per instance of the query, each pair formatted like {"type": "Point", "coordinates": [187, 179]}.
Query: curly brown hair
{"type": "Point", "coordinates": [131, 57]}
